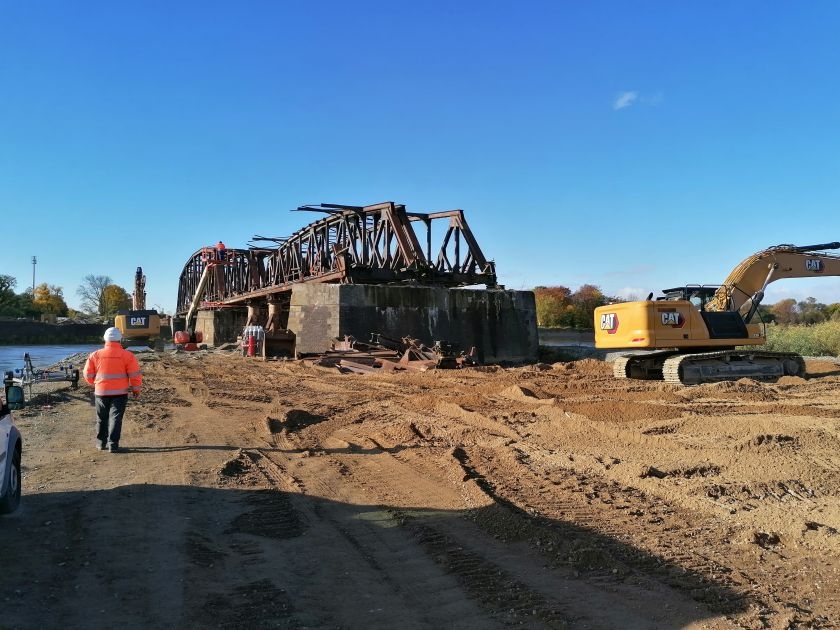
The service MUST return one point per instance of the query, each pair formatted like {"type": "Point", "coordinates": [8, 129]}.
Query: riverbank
{"type": "Point", "coordinates": [28, 332]}
{"type": "Point", "coordinates": [45, 356]}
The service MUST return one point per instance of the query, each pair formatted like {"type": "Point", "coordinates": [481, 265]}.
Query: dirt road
{"type": "Point", "coordinates": [280, 494]}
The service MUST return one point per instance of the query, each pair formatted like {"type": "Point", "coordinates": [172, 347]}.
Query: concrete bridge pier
{"type": "Point", "coordinates": [255, 315]}
{"type": "Point", "coordinates": [501, 325]}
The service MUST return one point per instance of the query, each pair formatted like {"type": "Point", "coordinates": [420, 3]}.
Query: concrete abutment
{"type": "Point", "coordinates": [501, 325]}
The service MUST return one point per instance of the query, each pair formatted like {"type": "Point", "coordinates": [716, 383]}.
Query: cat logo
{"type": "Point", "coordinates": [609, 322]}
{"type": "Point", "coordinates": [673, 319]}
{"type": "Point", "coordinates": [137, 322]}
{"type": "Point", "coordinates": [813, 264]}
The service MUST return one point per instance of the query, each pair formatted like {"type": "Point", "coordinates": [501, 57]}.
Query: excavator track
{"type": "Point", "coordinates": [620, 366]}
{"type": "Point", "coordinates": [729, 365]}
{"type": "Point", "coordinates": [646, 366]}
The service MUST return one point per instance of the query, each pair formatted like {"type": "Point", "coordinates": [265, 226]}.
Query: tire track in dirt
{"type": "Point", "coordinates": [574, 525]}
{"type": "Point", "coordinates": [400, 429]}
{"type": "Point", "coordinates": [389, 555]}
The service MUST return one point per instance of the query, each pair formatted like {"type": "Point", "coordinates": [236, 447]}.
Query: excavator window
{"type": "Point", "coordinates": [698, 295]}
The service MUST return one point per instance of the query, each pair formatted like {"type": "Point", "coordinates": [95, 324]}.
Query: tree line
{"type": "Point", "coordinates": [99, 297]}
{"type": "Point", "coordinates": [557, 306]}
{"type": "Point", "coordinates": [560, 307]}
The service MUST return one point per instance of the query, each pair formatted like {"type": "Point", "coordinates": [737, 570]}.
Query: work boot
{"type": "Point", "coordinates": [114, 448]}
{"type": "Point", "coordinates": [100, 445]}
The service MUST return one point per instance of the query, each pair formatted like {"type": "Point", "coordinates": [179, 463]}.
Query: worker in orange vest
{"type": "Point", "coordinates": [114, 373]}
{"type": "Point", "coordinates": [220, 250]}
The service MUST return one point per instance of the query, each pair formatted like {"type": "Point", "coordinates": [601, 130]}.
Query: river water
{"type": "Point", "coordinates": [11, 357]}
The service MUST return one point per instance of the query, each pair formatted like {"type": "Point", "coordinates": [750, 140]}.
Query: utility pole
{"type": "Point", "coordinates": [34, 262]}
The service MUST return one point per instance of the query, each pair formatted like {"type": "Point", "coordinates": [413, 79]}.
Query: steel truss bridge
{"type": "Point", "coordinates": [375, 244]}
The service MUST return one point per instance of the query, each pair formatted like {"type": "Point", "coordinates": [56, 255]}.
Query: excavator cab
{"type": "Point", "coordinates": [698, 295]}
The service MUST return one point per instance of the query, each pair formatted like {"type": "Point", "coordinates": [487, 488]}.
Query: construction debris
{"type": "Point", "coordinates": [384, 354]}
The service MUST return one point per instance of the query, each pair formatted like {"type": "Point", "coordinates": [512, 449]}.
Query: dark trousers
{"type": "Point", "coordinates": [109, 417]}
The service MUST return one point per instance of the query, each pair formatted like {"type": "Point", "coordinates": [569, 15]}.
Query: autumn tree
{"type": "Point", "coordinates": [559, 307]}
{"type": "Point", "coordinates": [552, 303]}
{"type": "Point", "coordinates": [91, 291]}
{"type": "Point", "coordinates": [585, 300]}
{"type": "Point", "coordinates": [49, 299]}
{"type": "Point", "coordinates": [114, 298]}
{"type": "Point", "coordinates": [785, 311]}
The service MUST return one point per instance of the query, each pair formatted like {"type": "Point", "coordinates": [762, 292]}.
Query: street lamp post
{"type": "Point", "coordinates": [34, 262]}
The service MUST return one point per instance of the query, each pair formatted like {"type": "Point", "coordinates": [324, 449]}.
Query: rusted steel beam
{"type": "Point", "coordinates": [374, 244]}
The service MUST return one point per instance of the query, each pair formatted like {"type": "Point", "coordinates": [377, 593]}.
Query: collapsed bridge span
{"type": "Point", "coordinates": [413, 259]}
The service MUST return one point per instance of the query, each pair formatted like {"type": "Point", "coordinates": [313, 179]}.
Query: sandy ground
{"type": "Point", "coordinates": [280, 494]}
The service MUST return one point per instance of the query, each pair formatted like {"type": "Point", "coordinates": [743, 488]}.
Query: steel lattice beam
{"type": "Point", "coordinates": [374, 244]}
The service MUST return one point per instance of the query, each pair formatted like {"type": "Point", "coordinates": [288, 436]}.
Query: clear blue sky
{"type": "Point", "coordinates": [634, 146]}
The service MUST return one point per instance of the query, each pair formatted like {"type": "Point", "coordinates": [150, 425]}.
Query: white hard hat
{"type": "Point", "coordinates": [112, 334]}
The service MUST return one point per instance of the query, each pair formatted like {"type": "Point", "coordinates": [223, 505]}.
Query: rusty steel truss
{"type": "Point", "coordinates": [374, 244]}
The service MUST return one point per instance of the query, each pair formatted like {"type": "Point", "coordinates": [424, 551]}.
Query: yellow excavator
{"type": "Point", "coordinates": [701, 333]}
{"type": "Point", "coordinates": [139, 326]}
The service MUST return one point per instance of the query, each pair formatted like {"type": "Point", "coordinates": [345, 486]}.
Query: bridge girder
{"type": "Point", "coordinates": [374, 244]}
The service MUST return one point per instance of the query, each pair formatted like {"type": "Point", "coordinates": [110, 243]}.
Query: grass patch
{"type": "Point", "coordinates": [821, 339]}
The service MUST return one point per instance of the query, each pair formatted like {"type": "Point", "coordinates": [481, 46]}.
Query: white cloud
{"type": "Point", "coordinates": [625, 99]}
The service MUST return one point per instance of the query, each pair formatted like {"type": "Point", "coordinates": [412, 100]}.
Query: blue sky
{"type": "Point", "coordinates": [634, 146]}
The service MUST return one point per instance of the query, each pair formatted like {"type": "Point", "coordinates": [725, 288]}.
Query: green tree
{"type": "Point", "coordinates": [49, 299]}
{"type": "Point", "coordinates": [26, 305]}
{"type": "Point", "coordinates": [114, 298]}
{"type": "Point", "coordinates": [765, 314]}
{"type": "Point", "coordinates": [9, 300]}
{"type": "Point", "coordinates": [811, 311]}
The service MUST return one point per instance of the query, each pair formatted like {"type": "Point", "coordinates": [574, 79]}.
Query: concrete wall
{"type": "Point", "coordinates": [221, 326]}
{"type": "Point", "coordinates": [28, 331]}
{"type": "Point", "coordinates": [501, 325]}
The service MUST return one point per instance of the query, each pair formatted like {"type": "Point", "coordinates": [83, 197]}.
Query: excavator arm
{"type": "Point", "coordinates": [138, 298]}
{"type": "Point", "coordinates": [744, 287]}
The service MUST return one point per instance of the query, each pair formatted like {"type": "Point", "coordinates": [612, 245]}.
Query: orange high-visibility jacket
{"type": "Point", "coordinates": [113, 371]}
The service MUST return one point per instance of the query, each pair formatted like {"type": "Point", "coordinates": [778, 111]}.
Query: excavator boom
{"type": "Point", "coordinates": [746, 283]}
{"type": "Point", "coordinates": [138, 298]}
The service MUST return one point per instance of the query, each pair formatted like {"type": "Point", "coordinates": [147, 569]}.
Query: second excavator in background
{"type": "Point", "coordinates": [702, 333]}
{"type": "Point", "coordinates": [139, 326]}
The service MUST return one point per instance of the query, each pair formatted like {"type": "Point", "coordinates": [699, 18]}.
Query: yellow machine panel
{"type": "Point", "coordinates": [669, 324]}
{"type": "Point", "coordinates": [139, 326]}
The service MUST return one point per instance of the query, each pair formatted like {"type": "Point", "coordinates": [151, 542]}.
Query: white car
{"type": "Point", "coordinates": [11, 448]}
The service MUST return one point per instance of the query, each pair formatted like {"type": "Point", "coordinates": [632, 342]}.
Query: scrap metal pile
{"type": "Point", "coordinates": [382, 354]}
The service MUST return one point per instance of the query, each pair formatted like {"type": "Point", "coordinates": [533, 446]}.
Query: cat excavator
{"type": "Point", "coordinates": [702, 333]}
{"type": "Point", "coordinates": [139, 325]}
